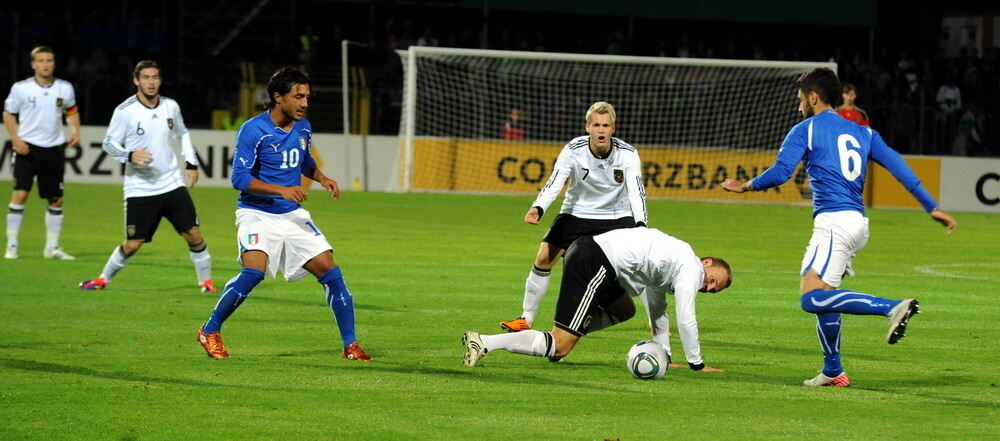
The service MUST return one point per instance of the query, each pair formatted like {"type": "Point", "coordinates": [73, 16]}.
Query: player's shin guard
{"type": "Point", "coordinates": [828, 330]}
{"type": "Point", "coordinates": [530, 342]}
{"type": "Point", "coordinates": [116, 261]}
{"type": "Point", "coordinates": [845, 301]}
{"type": "Point", "coordinates": [15, 214]}
{"type": "Point", "coordinates": [233, 295]}
{"type": "Point", "coordinates": [202, 261]}
{"type": "Point", "coordinates": [341, 303]}
{"type": "Point", "coordinates": [534, 291]}
{"type": "Point", "coordinates": [53, 226]}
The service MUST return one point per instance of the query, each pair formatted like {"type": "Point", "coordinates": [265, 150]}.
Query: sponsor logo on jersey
{"type": "Point", "coordinates": [619, 176]}
{"type": "Point", "coordinates": [170, 123]}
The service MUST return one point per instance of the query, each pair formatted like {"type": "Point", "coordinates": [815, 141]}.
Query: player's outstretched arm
{"type": "Point", "coordinates": [943, 218]}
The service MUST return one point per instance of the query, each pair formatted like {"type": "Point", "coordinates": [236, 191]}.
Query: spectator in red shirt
{"type": "Point", "coordinates": [512, 130]}
{"type": "Point", "coordinates": [848, 110]}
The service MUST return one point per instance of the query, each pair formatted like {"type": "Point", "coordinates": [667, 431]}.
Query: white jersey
{"type": "Point", "coordinates": [40, 109]}
{"type": "Point", "coordinates": [134, 126]}
{"type": "Point", "coordinates": [608, 188]}
{"type": "Point", "coordinates": [650, 264]}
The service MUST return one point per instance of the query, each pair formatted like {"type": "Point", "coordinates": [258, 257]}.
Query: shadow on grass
{"type": "Point", "coordinates": [39, 366]}
{"type": "Point", "coordinates": [492, 374]}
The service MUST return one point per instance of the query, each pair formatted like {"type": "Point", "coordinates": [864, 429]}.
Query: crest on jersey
{"type": "Point", "coordinates": [619, 176]}
{"type": "Point", "coordinates": [302, 143]}
{"type": "Point", "coordinates": [59, 102]}
{"type": "Point", "coordinates": [253, 239]}
{"type": "Point", "coordinates": [170, 123]}
{"type": "Point", "coordinates": [130, 230]}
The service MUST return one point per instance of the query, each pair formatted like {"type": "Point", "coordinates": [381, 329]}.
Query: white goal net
{"type": "Point", "coordinates": [483, 121]}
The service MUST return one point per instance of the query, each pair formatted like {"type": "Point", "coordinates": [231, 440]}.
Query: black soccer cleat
{"type": "Point", "coordinates": [899, 317]}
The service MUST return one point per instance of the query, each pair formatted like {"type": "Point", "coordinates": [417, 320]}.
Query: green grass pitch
{"type": "Point", "coordinates": [123, 364]}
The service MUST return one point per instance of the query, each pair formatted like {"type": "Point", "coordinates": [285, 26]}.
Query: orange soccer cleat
{"type": "Point", "coordinates": [822, 380]}
{"type": "Point", "coordinates": [354, 351]}
{"type": "Point", "coordinates": [98, 283]}
{"type": "Point", "coordinates": [517, 325]}
{"type": "Point", "coordinates": [207, 286]}
{"type": "Point", "coordinates": [212, 344]}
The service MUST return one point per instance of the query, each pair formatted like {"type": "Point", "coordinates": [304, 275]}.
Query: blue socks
{"type": "Point", "coordinates": [828, 305]}
{"type": "Point", "coordinates": [233, 295]}
{"type": "Point", "coordinates": [341, 303]}
{"type": "Point", "coordinates": [828, 329]}
{"type": "Point", "coordinates": [846, 301]}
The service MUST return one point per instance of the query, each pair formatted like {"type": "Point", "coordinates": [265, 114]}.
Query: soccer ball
{"type": "Point", "coordinates": [647, 360]}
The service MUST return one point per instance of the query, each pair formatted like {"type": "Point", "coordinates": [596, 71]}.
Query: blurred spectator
{"type": "Point", "coordinates": [849, 110]}
{"type": "Point", "coordinates": [512, 130]}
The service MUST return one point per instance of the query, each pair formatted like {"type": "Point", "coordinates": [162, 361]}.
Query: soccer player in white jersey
{"type": "Point", "coordinates": [139, 135]}
{"type": "Point", "coordinates": [274, 232]}
{"type": "Point", "coordinates": [33, 115]}
{"type": "Point", "coordinates": [605, 193]}
{"type": "Point", "coordinates": [602, 274]}
{"type": "Point", "coordinates": [836, 153]}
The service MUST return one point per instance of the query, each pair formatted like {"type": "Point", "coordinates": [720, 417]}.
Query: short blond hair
{"type": "Point", "coordinates": [41, 49]}
{"type": "Point", "coordinates": [601, 108]}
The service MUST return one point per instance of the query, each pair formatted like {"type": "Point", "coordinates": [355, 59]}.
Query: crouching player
{"type": "Point", "coordinates": [274, 232]}
{"type": "Point", "coordinates": [602, 272]}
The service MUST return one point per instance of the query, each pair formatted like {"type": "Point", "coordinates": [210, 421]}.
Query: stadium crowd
{"type": "Point", "coordinates": [926, 104]}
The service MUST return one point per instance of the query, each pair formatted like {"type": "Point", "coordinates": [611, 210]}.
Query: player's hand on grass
{"type": "Point", "coordinates": [294, 193]}
{"type": "Point", "coordinates": [532, 216]}
{"type": "Point", "coordinates": [733, 186]}
{"type": "Point", "coordinates": [20, 147]}
{"type": "Point", "coordinates": [191, 177]}
{"type": "Point", "coordinates": [331, 186]}
{"type": "Point", "coordinates": [141, 157]}
{"type": "Point", "coordinates": [944, 219]}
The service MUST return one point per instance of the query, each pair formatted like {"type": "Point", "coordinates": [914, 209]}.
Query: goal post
{"type": "Point", "coordinates": [486, 121]}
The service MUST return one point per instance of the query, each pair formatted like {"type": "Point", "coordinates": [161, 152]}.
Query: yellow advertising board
{"type": "Point", "coordinates": [523, 167]}
{"type": "Point", "coordinates": [883, 190]}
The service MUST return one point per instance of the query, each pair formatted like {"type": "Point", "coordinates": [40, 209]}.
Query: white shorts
{"type": "Point", "coordinates": [289, 240]}
{"type": "Point", "coordinates": [837, 238]}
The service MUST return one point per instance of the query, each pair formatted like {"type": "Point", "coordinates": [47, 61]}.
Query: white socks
{"type": "Point", "coordinates": [531, 342]}
{"type": "Point", "coordinates": [202, 264]}
{"type": "Point", "coordinates": [534, 291]}
{"type": "Point", "coordinates": [53, 226]}
{"type": "Point", "coordinates": [15, 214]}
{"type": "Point", "coordinates": [116, 262]}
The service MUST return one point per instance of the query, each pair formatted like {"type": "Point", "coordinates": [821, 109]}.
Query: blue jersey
{"type": "Point", "coordinates": [836, 152]}
{"type": "Point", "coordinates": [274, 156]}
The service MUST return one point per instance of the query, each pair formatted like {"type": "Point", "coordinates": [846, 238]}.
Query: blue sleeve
{"type": "Point", "coordinates": [308, 163]}
{"type": "Point", "coordinates": [885, 156]}
{"type": "Point", "coordinates": [245, 157]}
{"type": "Point", "coordinates": [793, 148]}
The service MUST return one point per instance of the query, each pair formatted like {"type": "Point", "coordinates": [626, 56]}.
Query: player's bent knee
{"type": "Point", "coordinates": [809, 301]}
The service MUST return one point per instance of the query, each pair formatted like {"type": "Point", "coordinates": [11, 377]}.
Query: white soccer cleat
{"type": "Point", "coordinates": [474, 349]}
{"type": "Point", "coordinates": [899, 317]}
{"type": "Point", "coordinates": [11, 252]}
{"type": "Point", "coordinates": [57, 253]}
{"type": "Point", "coordinates": [822, 380]}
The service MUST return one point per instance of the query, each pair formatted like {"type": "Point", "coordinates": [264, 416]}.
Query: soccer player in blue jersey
{"type": "Point", "coordinates": [836, 154]}
{"type": "Point", "coordinates": [274, 232]}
